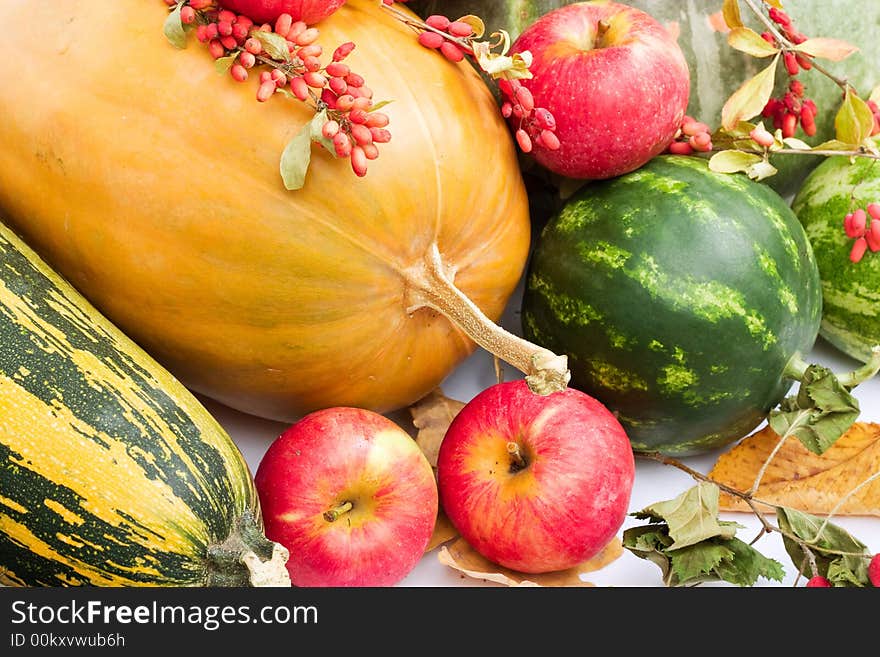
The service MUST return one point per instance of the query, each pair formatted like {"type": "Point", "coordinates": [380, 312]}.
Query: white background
{"type": "Point", "coordinates": [653, 482]}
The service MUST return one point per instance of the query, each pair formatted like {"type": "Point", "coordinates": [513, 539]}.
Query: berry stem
{"type": "Point", "coordinates": [861, 152]}
{"type": "Point", "coordinates": [788, 46]}
{"type": "Point", "coordinates": [332, 515]}
{"type": "Point", "coordinates": [420, 25]}
{"type": "Point", "coordinates": [429, 285]}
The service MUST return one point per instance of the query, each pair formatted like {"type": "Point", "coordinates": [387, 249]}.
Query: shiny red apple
{"type": "Point", "coordinates": [535, 483]}
{"type": "Point", "coordinates": [267, 11]}
{"type": "Point", "coordinates": [614, 79]}
{"type": "Point", "coordinates": [350, 495]}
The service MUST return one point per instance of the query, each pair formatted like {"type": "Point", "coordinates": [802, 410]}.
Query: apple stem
{"type": "Point", "coordinates": [333, 514]}
{"type": "Point", "coordinates": [516, 454]}
{"type": "Point", "coordinates": [601, 28]}
{"type": "Point", "coordinates": [430, 285]}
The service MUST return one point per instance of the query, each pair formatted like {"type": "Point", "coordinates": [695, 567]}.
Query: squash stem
{"type": "Point", "coordinates": [429, 285]}
{"type": "Point", "coordinates": [247, 558]}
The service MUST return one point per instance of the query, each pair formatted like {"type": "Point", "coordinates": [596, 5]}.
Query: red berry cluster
{"type": "Point", "coordinates": [353, 129]}
{"type": "Point", "coordinates": [865, 234]}
{"type": "Point", "coordinates": [453, 50]}
{"type": "Point", "coordinates": [535, 126]}
{"type": "Point", "coordinates": [792, 108]}
{"type": "Point", "coordinates": [692, 136]}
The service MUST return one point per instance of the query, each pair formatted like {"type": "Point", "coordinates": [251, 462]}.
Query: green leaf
{"type": "Point", "coordinates": [819, 414]}
{"type": "Point", "coordinates": [733, 161]}
{"type": "Point", "coordinates": [379, 105]}
{"type": "Point", "coordinates": [834, 49]}
{"type": "Point", "coordinates": [173, 28]}
{"type": "Point", "coordinates": [713, 559]}
{"type": "Point", "coordinates": [750, 98]}
{"type": "Point", "coordinates": [223, 64]}
{"type": "Point", "coordinates": [747, 565]}
{"type": "Point", "coordinates": [296, 158]}
{"type": "Point", "coordinates": [839, 556]}
{"type": "Point", "coordinates": [695, 562]}
{"type": "Point", "coordinates": [730, 11]}
{"type": "Point", "coordinates": [650, 542]}
{"type": "Point", "coordinates": [273, 43]}
{"type": "Point", "coordinates": [750, 42]}
{"type": "Point", "coordinates": [692, 516]}
{"type": "Point", "coordinates": [854, 121]}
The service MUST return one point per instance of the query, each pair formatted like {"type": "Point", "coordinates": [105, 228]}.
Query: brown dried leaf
{"type": "Point", "coordinates": [443, 531]}
{"type": "Point", "coordinates": [432, 416]}
{"type": "Point", "coordinates": [462, 557]}
{"type": "Point", "coordinates": [800, 479]}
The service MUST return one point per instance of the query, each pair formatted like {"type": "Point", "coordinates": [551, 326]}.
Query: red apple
{"type": "Point", "coordinates": [614, 79]}
{"type": "Point", "coordinates": [266, 11]}
{"type": "Point", "coordinates": [350, 495]}
{"type": "Point", "coordinates": [535, 483]}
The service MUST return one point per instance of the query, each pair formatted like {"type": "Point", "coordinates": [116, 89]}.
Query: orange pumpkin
{"type": "Point", "coordinates": [152, 183]}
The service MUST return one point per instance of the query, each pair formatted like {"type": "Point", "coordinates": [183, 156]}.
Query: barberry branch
{"type": "Point", "coordinates": [456, 39]}
{"type": "Point", "coordinates": [787, 45]}
{"type": "Point", "coordinates": [754, 504]}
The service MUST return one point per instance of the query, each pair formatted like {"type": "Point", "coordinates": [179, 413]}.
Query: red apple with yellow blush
{"type": "Point", "coordinates": [350, 495]}
{"type": "Point", "coordinates": [535, 483]}
{"type": "Point", "coordinates": [615, 80]}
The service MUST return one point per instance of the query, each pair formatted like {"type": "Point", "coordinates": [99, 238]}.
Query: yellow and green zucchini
{"type": "Point", "coordinates": [111, 472]}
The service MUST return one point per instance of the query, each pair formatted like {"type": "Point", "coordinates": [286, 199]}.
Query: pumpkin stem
{"type": "Point", "coordinates": [429, 285]}
{"type": "Point", "coordinates": [247, 558]}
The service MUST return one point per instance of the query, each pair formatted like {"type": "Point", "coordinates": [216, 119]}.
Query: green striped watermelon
{"type": "Point", "coordinates": [679, 296]}
{"type": "Point", "coordinates": [850, 292]}
{"type": "Point", "coordinates": [716, 69]}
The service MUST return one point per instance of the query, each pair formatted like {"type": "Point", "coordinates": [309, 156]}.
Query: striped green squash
{"type": "Point", "coordinates": [679, 296]}
{"type": "Point", "coordinates": [850, 292]}
{"type": "Point", "coordinates": [111, 472]}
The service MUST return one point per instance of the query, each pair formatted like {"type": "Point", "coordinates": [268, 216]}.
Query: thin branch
{"type": "Point", "coordinates": [791, 47]}
{"type": "Point", "coordinates": [753, 503]}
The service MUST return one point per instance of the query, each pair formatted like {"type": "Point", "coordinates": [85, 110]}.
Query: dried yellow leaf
{"type": "Point", "coordinates": [796, 477]}
{"type": "Point", "coordinates": [432, 416]}
{"type": "Point", "coordinates": [462, 557]}
{"type": "Point", "coordinates": [444, 531]}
